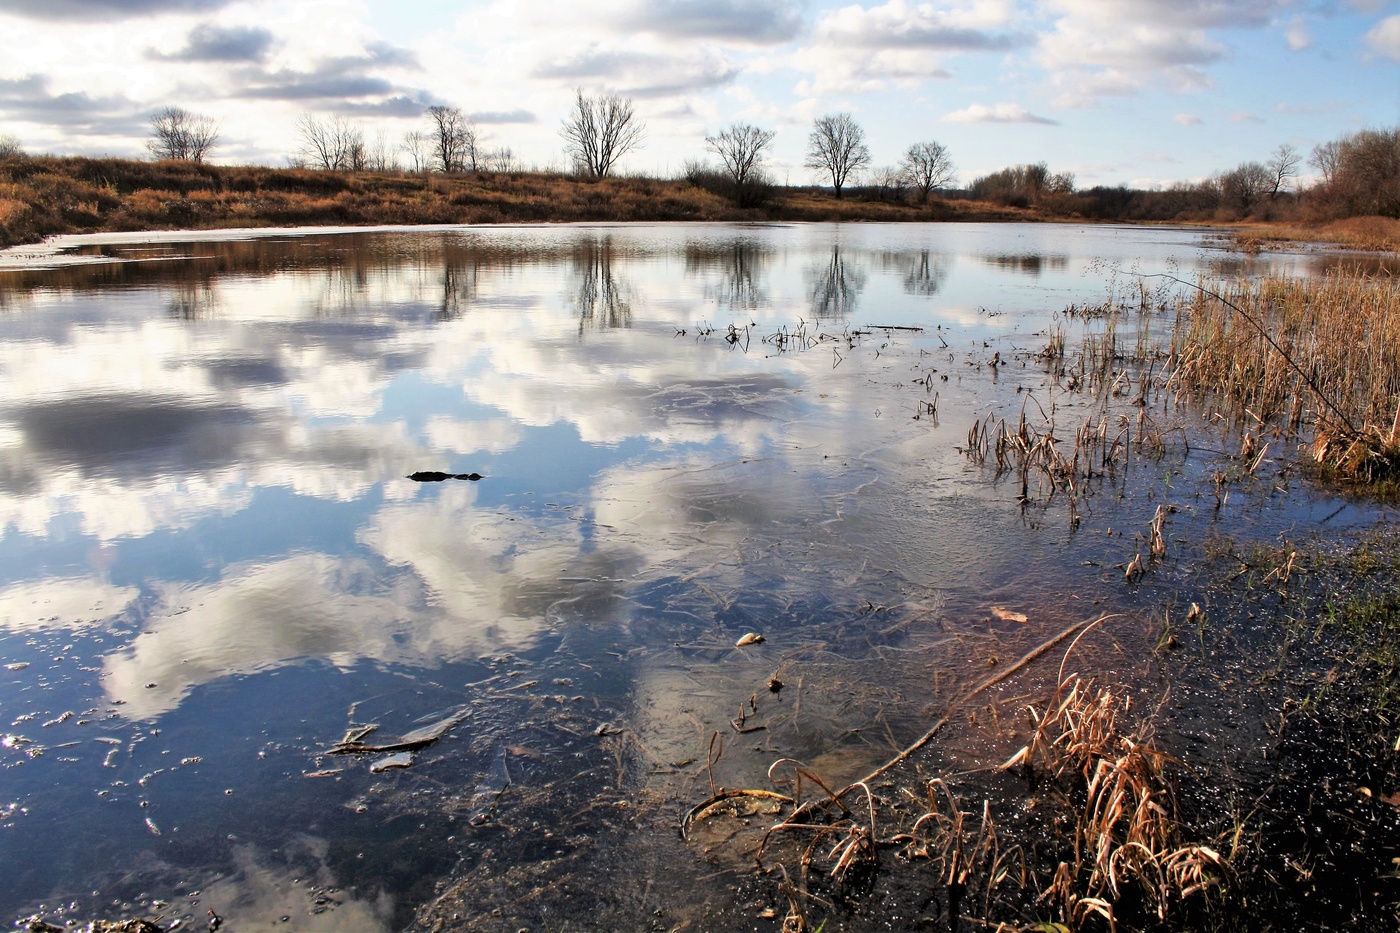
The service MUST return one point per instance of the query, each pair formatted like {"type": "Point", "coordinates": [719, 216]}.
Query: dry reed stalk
{"type": "Point", "coordinates": [1031, 452]}
{"type": "Point", "coordinates": [1157, 542]}
{"type": "Point", "coordinates": [1303, 352]}
{"type": "Point", "coordinates": [1126, 835]}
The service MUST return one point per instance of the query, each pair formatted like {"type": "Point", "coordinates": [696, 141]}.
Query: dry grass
{"type": "Point", "coordinates": [1316, 354]}
{"type": "Point", "coordinates": [1098, 842]}
{"type": "Point", "coordinates": [1119, 852]}
{"type": "Point", "coordinates": [1379, 234]}
{"type": "Point", "coordinates": [44, 196]}
{"type": "Point", "coordinates": [1032, 451]}
{"type": "Point", "coordinates": [1128, 840]}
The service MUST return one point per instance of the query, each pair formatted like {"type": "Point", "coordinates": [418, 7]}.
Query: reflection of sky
{"type": "Point", "coordinates": [221, 423]}
{"type": "Point", "coordinates": [204, 502]}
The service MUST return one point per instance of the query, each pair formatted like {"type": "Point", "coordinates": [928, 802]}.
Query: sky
{"type": "Point", "coordinates": [1137, 92]}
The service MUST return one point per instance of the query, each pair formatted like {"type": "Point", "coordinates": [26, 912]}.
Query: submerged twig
{"type": "Point", "coordinates": [1077, 628]}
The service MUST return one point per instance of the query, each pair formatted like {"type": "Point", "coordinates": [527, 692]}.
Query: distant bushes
{"type": "Point", "coordinates": [1360, 176]}
{"type": "Point", "coordinates": [1024, 186]}
{"type": "Point", "coordinates": [10, 147]}
{"type": "Point", "coordinates": [43, 196]}
{"type": "Point", "coordinates": [754, 191]}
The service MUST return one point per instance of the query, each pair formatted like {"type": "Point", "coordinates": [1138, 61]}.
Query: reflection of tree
{"type": "Point", "coordinates": [600, 298]}
{"type": "Point", "coordinates": [339, 274]}
{"type": "Point", "coordinates": [739, 265]}
{"type": "Point", "coordinates": [1032, 264]}
{"type": "Point", "coordinates": [836, 286]}
{"type": "Point", "coordinates": [192, 301]}
{"type": "Point", "coordinates": [923, 272]}
{"type": "Point", "coordinates": [459, 285]}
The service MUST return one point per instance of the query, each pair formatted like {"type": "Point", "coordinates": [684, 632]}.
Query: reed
{"type": "Point", "coordinates": [1127, 834]}
{"type": "Point", "coordinates": [1309, 355]}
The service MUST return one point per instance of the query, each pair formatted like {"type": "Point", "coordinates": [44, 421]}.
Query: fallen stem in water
{"type": "Point", "coordinates": [1077, 628]}
{"type": "Point", "coordinates": [696, 811]}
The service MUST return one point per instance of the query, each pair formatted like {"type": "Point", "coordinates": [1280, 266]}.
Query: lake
{"type": "Point", "coordinates": [634, 445]}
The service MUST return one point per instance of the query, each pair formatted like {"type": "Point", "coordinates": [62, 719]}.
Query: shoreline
{"type": "Point", "coordinates": [44, 197]}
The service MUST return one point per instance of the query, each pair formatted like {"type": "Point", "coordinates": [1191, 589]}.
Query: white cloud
{"type": "Point", "coordinates": [998, 113]}
{"type": "Point", "coordinates": [642, 74]}
{"type": "Point", "coordinates": [1297, 35]}
{"type": "Point", "coordinates": [1115, 47]}
{"type": "Point", "coordinates": [745, 22]}
{"type": "Point", "coordinates": [70, 603]}
{"type": "Point", "coordinates": [1187, 119]}
{"type": "Point", "coordinates": [1385, 37]}
{"type": "Point", "coordinates": [897, 24]}
{"type": "Point", "coordinates": [1244, 116]}
{"type": "Point", "coordinates": [858, 49]}
{"type": "Point", "coordinates": [1194, 14]}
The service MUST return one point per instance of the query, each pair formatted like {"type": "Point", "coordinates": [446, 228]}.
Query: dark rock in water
{"type": "Point", "coordinates": [436, 476]}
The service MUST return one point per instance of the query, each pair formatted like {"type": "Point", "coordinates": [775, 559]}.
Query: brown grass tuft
{"type": "Point", "coordinates": [1308, 354]}
{"type": "Point", "coordinates": [1127, 835]}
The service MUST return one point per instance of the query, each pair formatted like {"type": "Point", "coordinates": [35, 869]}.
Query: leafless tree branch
{"type": "Point", "coordinates": [837, 148]}
{"type": "Point", "coordinates": [599, 131]}
{"type": "Point", "coordinates": [178, 134]}
{"type": "Point", "coordinates": [927, 166]}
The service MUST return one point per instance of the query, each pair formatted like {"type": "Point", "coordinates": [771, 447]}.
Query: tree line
{"type": "Point", "coordinates": [1358, 173]}
{"type": "Point", "coordinates": [597, 133]}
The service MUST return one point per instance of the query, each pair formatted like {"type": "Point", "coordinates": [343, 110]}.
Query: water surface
{"type": "Point", "coordinates": [213, 561]}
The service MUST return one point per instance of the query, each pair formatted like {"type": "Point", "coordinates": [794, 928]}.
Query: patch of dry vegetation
{"type": "Point", "coordinates": [1375, 234]}
{"type": "Point", "coordinates": [1115, 784]}
{"type": "Point", "coordinates": [45, 196]}
{"type": "Point", "coordinates": [1303, 353]}
{"type": "Point", "coordinates": [1118, 853]}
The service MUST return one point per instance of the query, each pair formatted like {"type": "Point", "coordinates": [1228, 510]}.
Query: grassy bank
{"type": "Point", "coordinates": [1379, 234]}
{"type": "Point", "coordinates": [41, 197]}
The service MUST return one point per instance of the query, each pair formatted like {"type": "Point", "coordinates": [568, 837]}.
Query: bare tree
{"type": "Point", "coordinates": [927, 166]}
{"type": "Point", "coordinates": [1326, 157]}
{"type": "Point", "coordinates": [380, 157]}
{"type": "Point", "coordinates": [357, 155]}
{"type": "Point", "coordinates": [599, 131]}
{"type": "Point", "coordinates": [453, 139]}
{"type": "Point", "coordinates": [10, 147]}
{"type": "Point", "coordinates": [501, 160]}
{"type": "Point", "coordinates": [419, 150]}
{"type": "Point", "coordinates": [1368, 172]}
{"type": "Point", "coordinates": [1283, 166]}
{"type": "Point", "coordinates": [1242, 188]}
{"type": "Point", "coordinates": [888, 181]}
{"type": "Point", "coordinates": [178, 134]}
{"type": "Point", "coordinates": [333, 144]}
{"type": "Point", "coordinates": [740, 147]}
{"type": "Point", "coordinates": [837, 148]}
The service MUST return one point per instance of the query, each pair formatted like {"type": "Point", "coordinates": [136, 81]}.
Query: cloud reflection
{"type": "Point", "coordinates": [72, 602]}
{"type": "Point", "coordinates": [333, 373]}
